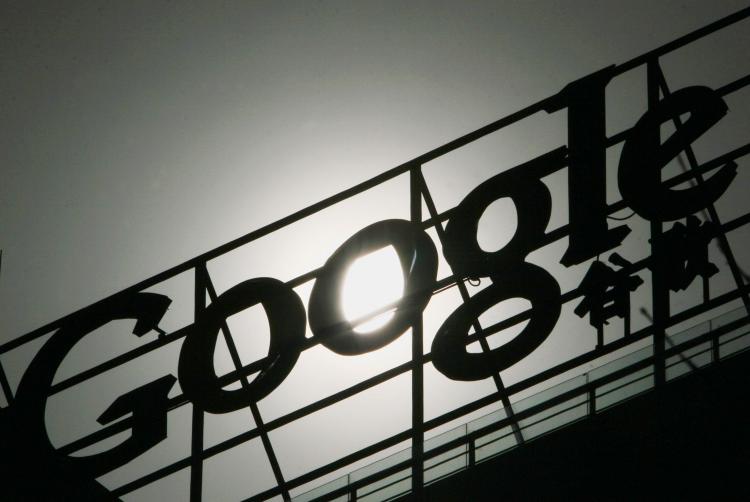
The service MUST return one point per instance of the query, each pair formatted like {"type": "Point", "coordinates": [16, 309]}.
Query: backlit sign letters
{"type": "Point", "coordinates": [643, 155]}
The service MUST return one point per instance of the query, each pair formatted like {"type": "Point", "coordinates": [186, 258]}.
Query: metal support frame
{"type": "Point", "coordinates": [713, 215]}
{"type": "Point", "coordinates": [196, 446]}
{"type": "Point", "coordinates": [659, 290]}
{"type": "Point", "coordinates": [419, 191]}
{"type": "Point", "coordinates": [417, 372]}
{"type": "Point", "coordinates": [480, 333]}
{"type": "Point", "coordinates": [237, 362]}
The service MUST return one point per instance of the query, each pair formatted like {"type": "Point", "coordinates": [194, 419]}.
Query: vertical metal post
{"type": "Point", "coordinates": [196, 460]}
{"type": "Point", "coordinates": [659, 291]}
{"type": "Point", "coordinates": [196, 445]}
{"type": "Point", "coordinates": [353, 490]}
{"type": "Point", "coordinates": [262, 432]}
{"type": "Point", "coordinates": [417, 370]}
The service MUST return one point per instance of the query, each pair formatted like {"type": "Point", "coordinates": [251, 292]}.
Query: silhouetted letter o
{"type": "Point", "coordinates": [527, 281]}
{"type": "Point", "coordinates": [418, 257]}
{"type": "Point", "coordinates": [286, 318]}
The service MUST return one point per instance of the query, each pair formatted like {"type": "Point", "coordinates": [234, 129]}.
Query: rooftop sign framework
{"type": "Point", "coordinates": [678, 257]}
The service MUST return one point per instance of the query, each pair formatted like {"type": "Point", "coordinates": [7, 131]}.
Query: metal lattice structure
{"type": "Point", "coordinates": [665, 354]}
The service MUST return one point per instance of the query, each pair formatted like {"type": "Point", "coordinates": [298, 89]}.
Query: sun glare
{"type": "Point", "coordinates": [372, 282]}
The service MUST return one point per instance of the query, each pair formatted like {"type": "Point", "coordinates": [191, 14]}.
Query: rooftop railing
{"type": "Point", "coordinates": [551, 409]}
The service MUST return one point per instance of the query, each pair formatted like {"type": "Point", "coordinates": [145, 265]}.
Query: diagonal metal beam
{"type": "Point", "coordinates": [496, 378]}
{"type": "Point", "coordinates": [698, 179]}
{"type": "Point", "coordinates": [417, 349]}
{"type": "Point", "coordinates": [272, 459]}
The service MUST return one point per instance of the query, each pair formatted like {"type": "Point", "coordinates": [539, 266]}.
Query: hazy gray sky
{"type": "Point", "coordinates": [136, 135]}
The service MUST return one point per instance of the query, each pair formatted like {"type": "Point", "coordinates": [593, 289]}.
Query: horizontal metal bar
{"type": "Point", "coordinates": [683, 40]}
{"type": "Point", "coordinates": [734, 86]}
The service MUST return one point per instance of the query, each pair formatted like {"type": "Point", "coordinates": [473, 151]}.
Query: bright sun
{"type": "Point", "coordinates": [372, 281]}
